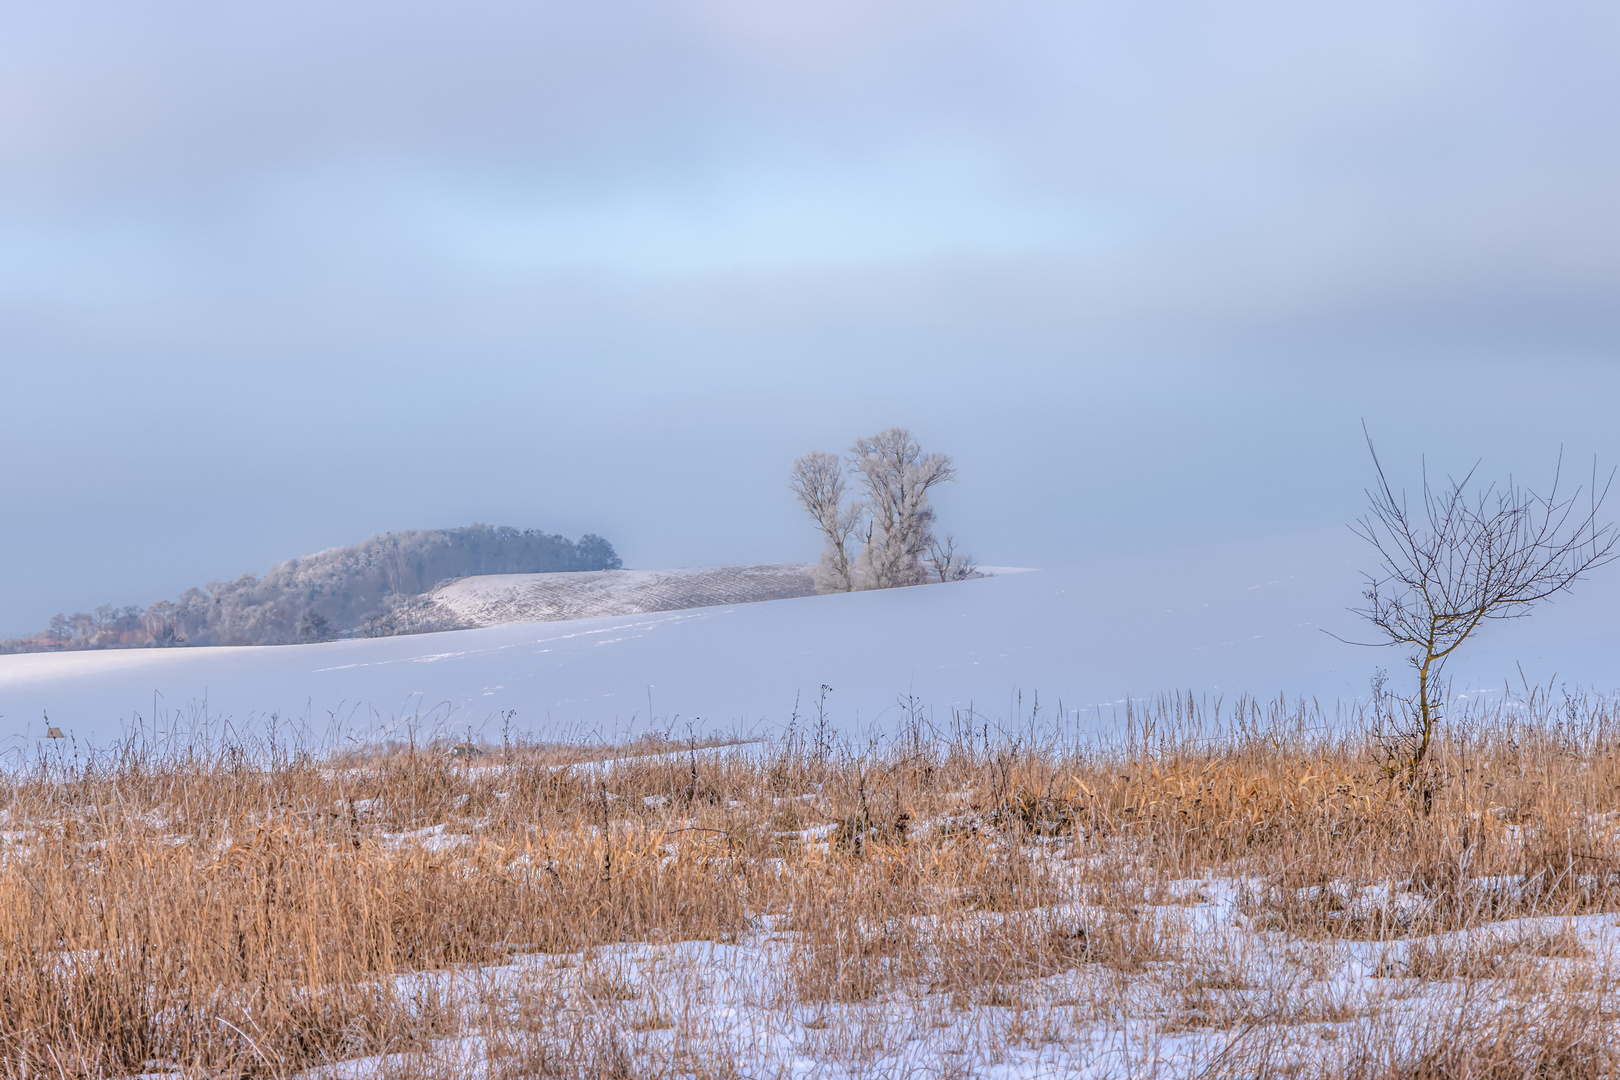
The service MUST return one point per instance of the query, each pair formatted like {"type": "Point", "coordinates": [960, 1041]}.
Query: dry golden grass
{"type": "Point", "coordinates": [262, 914]}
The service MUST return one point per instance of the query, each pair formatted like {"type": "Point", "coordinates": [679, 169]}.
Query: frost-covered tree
{"type": "Point", "coordinates": [818, 481]}
{"type": "Point", "coordinates": [897, 476]}
{"type": "Point", "coordinates": [313, 626]}
{"type": "Point", "coordinates": [894, 522]}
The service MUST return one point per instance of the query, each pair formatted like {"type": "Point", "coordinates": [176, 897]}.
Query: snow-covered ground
{"type": "Point", "coordinates": [1226, 1000]}
{"type": "Point", "coordinates": [1218, 621]}
{"type": "Point", "coordinates": [494, 599]}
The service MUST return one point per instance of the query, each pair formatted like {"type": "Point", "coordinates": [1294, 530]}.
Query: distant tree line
{"type": "Point", "coordinates": [372, 589]}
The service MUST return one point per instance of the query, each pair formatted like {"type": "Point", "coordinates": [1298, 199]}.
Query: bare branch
{"type": "Point", "coordinates": [1469, 559]}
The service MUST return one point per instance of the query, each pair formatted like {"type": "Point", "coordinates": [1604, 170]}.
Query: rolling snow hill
{"type": "Point", "coordinates": [495, 599]}
{"type": "Point", "coordinates": [1218, 621]}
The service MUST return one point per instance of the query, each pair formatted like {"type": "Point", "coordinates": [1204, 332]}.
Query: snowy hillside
{"type": "Point", "coordinates": [494, 599]}
{"type": "Point", "coordinates": [1216, 621]}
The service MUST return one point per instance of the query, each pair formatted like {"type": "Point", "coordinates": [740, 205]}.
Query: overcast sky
{"type": "Point", "coordinates": [275, 277]}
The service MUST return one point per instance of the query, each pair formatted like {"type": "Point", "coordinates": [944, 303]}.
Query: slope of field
{"type": "Point", "coordinates": [1218, 621]}
{"type": "Point", "coordinates": [494, 599]}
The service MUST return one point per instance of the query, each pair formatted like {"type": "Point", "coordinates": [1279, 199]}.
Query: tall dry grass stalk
{"type": "Point", "coordinates": [261, 913]}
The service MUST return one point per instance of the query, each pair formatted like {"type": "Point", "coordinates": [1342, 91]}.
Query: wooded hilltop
{"type": "Point", "coordinates": [369, 589]}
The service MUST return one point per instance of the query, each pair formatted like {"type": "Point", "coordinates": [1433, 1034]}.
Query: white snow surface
{"type": "Point", "coordinates": [1301, 1002]}
{"type": "Point", "coordinates": [1217, 621]}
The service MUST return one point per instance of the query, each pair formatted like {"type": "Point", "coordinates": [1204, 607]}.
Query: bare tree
{"type": "Point", "coordinates": [950, 564]}
{"type": "Point", "coordinates": [1458, 560]}
{"type": "Point", "coordinates": [897, 476]}
{"type": "Point", "coordinates": [818, 481]}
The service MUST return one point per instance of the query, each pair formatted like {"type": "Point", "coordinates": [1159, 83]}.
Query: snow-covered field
{"type": "Point", "coordinates": [494, 599]}
{"type": "Point", "coordinates": [1217, 621]}
{"type": "Point", "coordinates": [1261, 904]}
{"type": "Point", "coordinates": [1224, 999]}
{"type": "Point", "coordinates": [1226, 897]}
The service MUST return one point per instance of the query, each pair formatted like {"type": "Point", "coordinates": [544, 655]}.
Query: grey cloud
{"type": "Point", "coordinates": [277, 276]}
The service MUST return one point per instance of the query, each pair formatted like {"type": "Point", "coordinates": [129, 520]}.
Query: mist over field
{"type": "Point", "coordinates": [274, 279]}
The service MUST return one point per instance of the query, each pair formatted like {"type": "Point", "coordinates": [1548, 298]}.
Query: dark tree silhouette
{"type": "Point", "coordinates": [1459, 559]}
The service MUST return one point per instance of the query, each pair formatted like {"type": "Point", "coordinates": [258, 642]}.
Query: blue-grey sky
{"type": "Point", "coordinates": [274, 277]}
